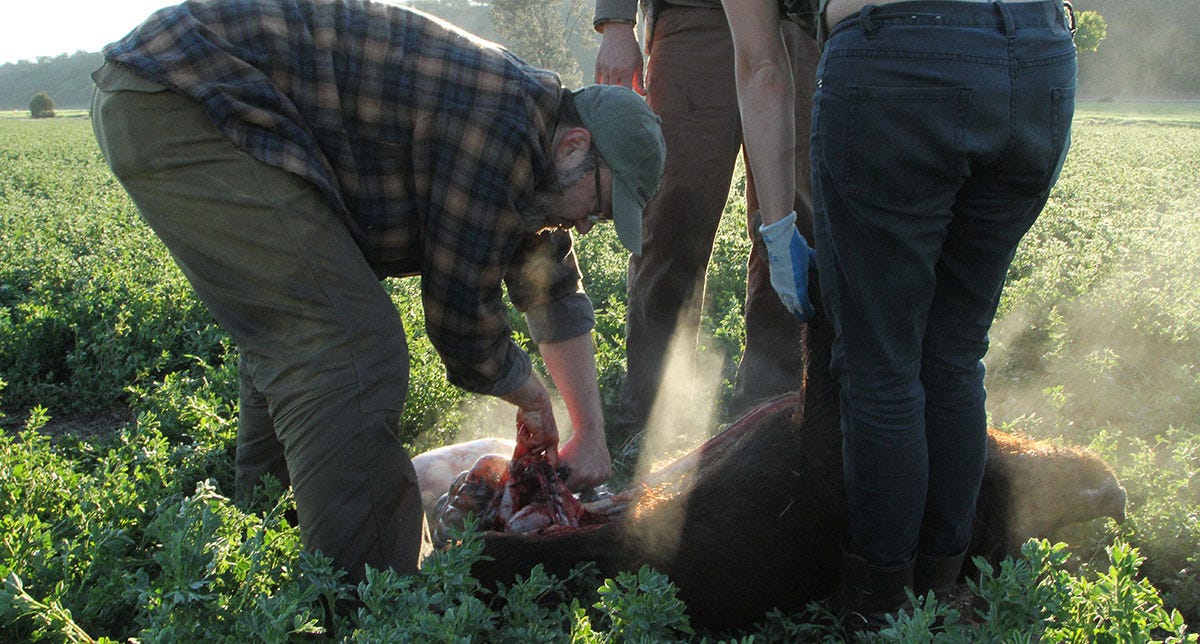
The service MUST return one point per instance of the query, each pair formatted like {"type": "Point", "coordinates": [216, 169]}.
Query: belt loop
{"type": "Point", "coordinates": [864, 18]}
{"type": "Point", "coordinates": [1010, 28]}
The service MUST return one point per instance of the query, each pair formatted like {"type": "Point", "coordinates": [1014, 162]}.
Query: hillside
{"type": "Point", "coordinates": [66, 78]}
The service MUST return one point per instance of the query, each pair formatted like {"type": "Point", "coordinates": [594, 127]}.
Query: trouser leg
{"type": "Point", "coordinates": [690, 85]}
{"type": "Point", "coordinates": [322, 342]}
{"type": "Point", "coordinates": [877, 273]}
{"type": "Point", "coordinates": [259, 452]}
{"type": "Point", "coordinates": [980, 243]}
{"type": "Point", "coordinates": [773, 361]}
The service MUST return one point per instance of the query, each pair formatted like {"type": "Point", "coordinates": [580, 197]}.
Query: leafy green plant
{"type": "Point", "coordinates": [42, 106]}
{"type": "Point", "coordinates": [642, 607]}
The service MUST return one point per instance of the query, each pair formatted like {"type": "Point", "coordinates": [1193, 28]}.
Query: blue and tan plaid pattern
{"type": "Point", "coordinates": [429, 142]}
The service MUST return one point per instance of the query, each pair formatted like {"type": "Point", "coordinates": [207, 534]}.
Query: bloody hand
{"type": "Point", "coordinates": [537, 434]}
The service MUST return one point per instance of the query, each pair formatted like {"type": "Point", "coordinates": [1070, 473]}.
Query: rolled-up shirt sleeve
{"type": "Point", "coordinates": [562, 319]}
{"type": "Point", "coordinates": [614, 11]}
{"type": "Point", "coordinates": [517, 373]}
{"type": "Point", "coordinates": [545, 284]}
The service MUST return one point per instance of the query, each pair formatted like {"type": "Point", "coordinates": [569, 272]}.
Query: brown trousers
{"type": "Point", "coordinates": [324, 359]}
{"type": "Point", "coordinates": [690, 82]}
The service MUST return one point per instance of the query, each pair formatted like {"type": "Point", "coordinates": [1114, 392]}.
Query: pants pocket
{"type": "Point", "coordinates": [1062, 112]}
{"type": "Point", "coordinates": [903, 142]}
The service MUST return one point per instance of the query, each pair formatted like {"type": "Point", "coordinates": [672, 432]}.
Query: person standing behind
{"type": "Point", "coordinates": [689, 82]}
{"type": "Point", "coordinates": [939, 128]}
{"type": "Point", "coordinates": [292, 153]}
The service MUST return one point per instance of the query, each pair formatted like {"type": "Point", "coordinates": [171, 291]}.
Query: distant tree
{"type": "Point", "coordinates": [470, 15]}
{"type": "Point", "coordinates": [1090, 30]}
{"type": "Point", "coordinates": [42, 106]}
{"type": "Point", "coordinates": [541, 35]}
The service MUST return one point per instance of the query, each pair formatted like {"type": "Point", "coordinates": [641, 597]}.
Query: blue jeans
{"type": "Point", "coordinates": [939, 128]}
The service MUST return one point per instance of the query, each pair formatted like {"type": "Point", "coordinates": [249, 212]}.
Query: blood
{"type": "Point", "coordinates": [523, 495]}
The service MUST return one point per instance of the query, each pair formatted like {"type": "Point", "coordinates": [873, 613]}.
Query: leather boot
{"type": "Point", "coordinates": [870, 593]}
{"type": "Point", "coordinates": [937, 574]}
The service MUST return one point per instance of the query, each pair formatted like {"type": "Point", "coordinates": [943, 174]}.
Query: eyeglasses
{"type": "Point", "coordinates": [600, 214]}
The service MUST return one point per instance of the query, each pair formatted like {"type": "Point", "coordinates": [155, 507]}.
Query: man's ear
{"type": "Point", "coordinates": [573, 144]}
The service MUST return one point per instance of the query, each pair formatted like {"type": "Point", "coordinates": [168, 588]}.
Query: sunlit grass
{"type": "Point", "coordinates": [58, 114]}
{"type": "Point", "coordinates": [1178, 112]}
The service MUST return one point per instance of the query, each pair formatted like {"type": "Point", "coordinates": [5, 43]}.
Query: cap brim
{"type": "Point", "coordinates": [627, 216]}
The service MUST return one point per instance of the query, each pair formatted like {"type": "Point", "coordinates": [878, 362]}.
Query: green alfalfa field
{"type": "Point", "coordinates": [120, 411]}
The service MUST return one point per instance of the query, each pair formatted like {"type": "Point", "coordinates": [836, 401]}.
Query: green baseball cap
{"type": "Point", "coordinates": [628, 135]}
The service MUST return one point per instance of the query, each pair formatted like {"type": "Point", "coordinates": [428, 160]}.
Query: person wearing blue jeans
{"type": "Point", "coordinates": [939, 128]}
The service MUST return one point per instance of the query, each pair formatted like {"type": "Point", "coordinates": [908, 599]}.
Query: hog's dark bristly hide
{"type": "Point", "coordinates": [1033, 489]}
{"type": "Point", "coordinates": [760, 523]}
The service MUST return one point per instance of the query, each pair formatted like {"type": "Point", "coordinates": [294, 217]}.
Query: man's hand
{"type": "Point", "coordinates": [587, 457]}
{"type": "Point", "coordinates": [788, 256]}
{"type": "Point", "coordinates": [572, 365]}
{"type": "Point", "coordinates": [537, 433]}
{"type": "Point", "coordinates": [619, 59]}
{"type": "Point", "coordinates": [536, 429]}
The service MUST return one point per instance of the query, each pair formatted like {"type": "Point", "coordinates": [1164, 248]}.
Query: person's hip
{"type": "Point", "coordinates": [838, 10]}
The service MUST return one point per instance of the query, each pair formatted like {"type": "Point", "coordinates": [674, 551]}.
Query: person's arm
{"type": "Point", "coordinates": [766, 90]}
{"type": "Point", "coordinates": [572, 366]}
{"type": "Point", "coordinates": [544, 283]}
{"type": "Point", "coordinates": [619, 59]}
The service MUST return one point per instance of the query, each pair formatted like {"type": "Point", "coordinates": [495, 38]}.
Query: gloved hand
{"type": "Point", "coordinates": [788, 256]}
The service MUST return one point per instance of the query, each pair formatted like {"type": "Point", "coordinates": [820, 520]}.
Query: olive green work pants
{"type": "Point", "coordinates": [324, 360]}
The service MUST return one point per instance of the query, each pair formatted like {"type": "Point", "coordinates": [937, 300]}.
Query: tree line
{"type": "Point", "coordinates": [552, 34]}
{"type": "Point", "coordinates": [1148, 52]}
{"type": "Point", "coordinates": [66, 78]}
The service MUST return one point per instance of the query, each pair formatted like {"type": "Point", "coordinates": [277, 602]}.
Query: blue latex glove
{"type": "Point", "coordinates": [789, 257]}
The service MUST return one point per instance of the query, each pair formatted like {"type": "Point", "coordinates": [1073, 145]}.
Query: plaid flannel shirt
{"type": "Point", "coordinates": [428, 141]}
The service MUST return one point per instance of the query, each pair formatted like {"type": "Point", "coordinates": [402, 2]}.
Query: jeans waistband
{"type": "Point", "coordinates": [1007, 16]}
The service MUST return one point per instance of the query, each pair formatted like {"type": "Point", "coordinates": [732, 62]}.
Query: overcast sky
{"type": "Point", "coordinates": [32, 28]}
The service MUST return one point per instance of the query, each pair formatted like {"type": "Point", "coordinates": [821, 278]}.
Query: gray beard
{"type": "Point", "coordinates": [541, 213]}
